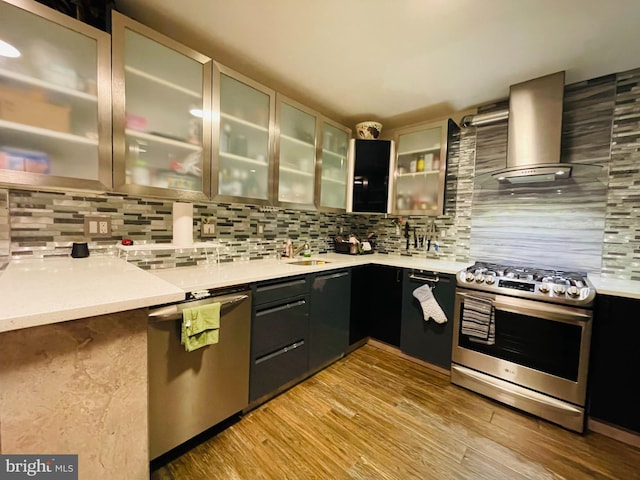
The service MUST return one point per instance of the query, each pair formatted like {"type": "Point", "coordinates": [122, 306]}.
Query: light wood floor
{"type": "Point", "coordinates": [374, 415]}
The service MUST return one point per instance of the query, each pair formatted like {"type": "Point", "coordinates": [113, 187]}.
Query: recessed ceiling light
{"type": "Point", "coordinates": [560, 172]}
{"type": "Point", "coordinates": [8, 50]}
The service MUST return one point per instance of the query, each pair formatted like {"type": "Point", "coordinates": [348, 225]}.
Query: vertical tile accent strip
{"type": "Point", "coordinates": [621, 251]}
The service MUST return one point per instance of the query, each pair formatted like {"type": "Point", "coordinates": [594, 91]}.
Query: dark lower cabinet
{"type": "Point", "coordinates": [614, 362]}
{"type": "Point", "coordinates": [359, 322]}
{"type": "Point", "coordinates": [329, 316]}
{"type": "Point", "coordinates": [298, 325]}
{"type": "Point", "coordinates": [375, 304]}
{"type": "Point", "coordinates": [427, 340]}
{"type": "Point", "coordinates": [279, 335]}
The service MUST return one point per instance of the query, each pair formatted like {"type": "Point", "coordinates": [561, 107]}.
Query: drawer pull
{"type": "Point", "coordinates": [275, 286]}
{"type": "Point", "coordinates": [279, 352]}
{"type": "Point", "coordinates": [334, 275]}
{"type": "Point", "coordinates": [280, 308]}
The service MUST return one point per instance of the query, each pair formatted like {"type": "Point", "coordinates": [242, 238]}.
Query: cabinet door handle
{"type": "Point", "coordinates": [435, 279]}
{"type": "Point", "coordinates": [335, 275]}
{"type": "Point", "coordinates": [266, 288]}
{"type": "Point", "coordinates": [280, 308]}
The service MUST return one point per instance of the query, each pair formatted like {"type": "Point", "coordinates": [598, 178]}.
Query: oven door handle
{"type": "Point", "coordinates": [543, 310]}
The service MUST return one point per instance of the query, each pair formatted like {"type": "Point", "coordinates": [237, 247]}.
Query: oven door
{"type": "Point", "coordinates": [538, 345]}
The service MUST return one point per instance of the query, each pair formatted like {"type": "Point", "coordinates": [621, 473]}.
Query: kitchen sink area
{"type": "Point", "coordinates": [309, 262]}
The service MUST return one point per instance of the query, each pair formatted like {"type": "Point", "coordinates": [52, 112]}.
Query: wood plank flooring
{"type": "Point", "coordinates": [374, 415]}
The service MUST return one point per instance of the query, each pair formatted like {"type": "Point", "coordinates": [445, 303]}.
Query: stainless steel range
{"type": "Point", "coordinates": [522, 336]}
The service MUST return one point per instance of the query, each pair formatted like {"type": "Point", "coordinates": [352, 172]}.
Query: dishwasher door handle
{"type": "Point", "coordinates": [174, 312]}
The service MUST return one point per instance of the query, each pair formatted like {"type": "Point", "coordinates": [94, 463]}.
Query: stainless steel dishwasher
{"type": "Point", "coordinates": [190, 392]}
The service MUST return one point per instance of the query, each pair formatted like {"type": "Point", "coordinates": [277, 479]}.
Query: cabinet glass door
{"type": "Point", "coordinates": [55, 99]}
{"type": "Point", "coordinates": [333, 170]}
{"type": "Point", "coordinates": [420, 170]}
{"type": "Point", "coordinates": [244, 142]}
{"type": "Point", "coordinates": [297, 154]}
{"type": "Point", "coordinates": [162, 113]}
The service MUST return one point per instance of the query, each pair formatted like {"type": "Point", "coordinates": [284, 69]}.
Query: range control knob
{"type": "Point", "coordinates": [559, 289]}
{"type": "Point", "coordinates": [479, 278]}
{"type": "Point", "coordinates": [573, 291]}
{"type": "Point", "coordinates": [469, 277]}
{"type": "Point", "coordinates": [490, 280]}
{"type": "Point", "coordinates": [544, 288]}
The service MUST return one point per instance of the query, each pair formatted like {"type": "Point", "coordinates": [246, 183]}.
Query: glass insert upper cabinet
{"type": "Point", "coordinates": [244, 135]}
{"type": "Point", "coordinates": [55, 99]}
{"type": "Point", "coordinates": [296, 153]}
{"type": "Point", "coordinates": [420, 169]}
{"type": "Point", "coordinates": [333, 166]}
{"type": "Point", "coordinates": [161, 114]}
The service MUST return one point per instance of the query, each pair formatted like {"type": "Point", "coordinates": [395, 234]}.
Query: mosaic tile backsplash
{"type": "Point", "coordinates": [556, 224]}
{"type": "Point", "coordinates": [591, 224]}
{"type": "Point", "coordinates": [45, 224]}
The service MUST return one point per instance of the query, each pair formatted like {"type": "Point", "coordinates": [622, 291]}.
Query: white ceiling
{"type": "Point", "coordinates": [382, 59]}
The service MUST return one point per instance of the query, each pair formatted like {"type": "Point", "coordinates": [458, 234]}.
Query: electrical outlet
{"type": "Point", "coordinates": [96, 226]}
{"type": "Point", "coordinates": [207, 227]}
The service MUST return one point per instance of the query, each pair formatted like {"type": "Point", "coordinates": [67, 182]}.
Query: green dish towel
{"type": "Point", "coordinates": [200, 326]}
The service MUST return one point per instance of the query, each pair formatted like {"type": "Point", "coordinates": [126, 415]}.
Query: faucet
{"type": "Point", "coordinates": [304, 247]}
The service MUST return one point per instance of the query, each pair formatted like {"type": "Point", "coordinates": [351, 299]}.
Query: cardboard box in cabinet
{"type": "Point", "coordinates": [23, 160]}
{"type": "Point", "coordinates": [31, 109]}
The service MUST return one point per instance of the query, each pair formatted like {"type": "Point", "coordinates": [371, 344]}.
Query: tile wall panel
{"type": "Point", "coordinates": [45, 224]}
{"type": "Point", "coordinates": [553, 225]}
{"type": "Point", "coordinates": [621, 251]}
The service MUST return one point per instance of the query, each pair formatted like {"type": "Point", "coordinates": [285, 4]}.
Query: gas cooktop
{"type": "Point", "coordinates": [557, 286]}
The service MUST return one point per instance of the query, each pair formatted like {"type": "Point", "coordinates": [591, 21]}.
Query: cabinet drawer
{"type": "Point", "coordinates": [270, 372]}
{"type": "Point", "coordinates": [278, 325]}
{"type": "Point", "coordinates": [272, 292]}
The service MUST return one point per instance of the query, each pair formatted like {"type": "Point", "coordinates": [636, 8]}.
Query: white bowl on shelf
{"type": "Point", "coordinates": [369, 130]}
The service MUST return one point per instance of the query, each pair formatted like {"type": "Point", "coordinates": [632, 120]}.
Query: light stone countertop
{"type": "Point", "coordinates": [43, 291]}
{"type": "Point", "coordinates": [237, 273]}
{"type": "Point", "coordinates": [39, 292]}
{"type": "Point", "coordinates": [616, 287]}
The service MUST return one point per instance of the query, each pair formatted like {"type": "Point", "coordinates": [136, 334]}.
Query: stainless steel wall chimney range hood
{"type": "Point", "coordinates": [534, 134]}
